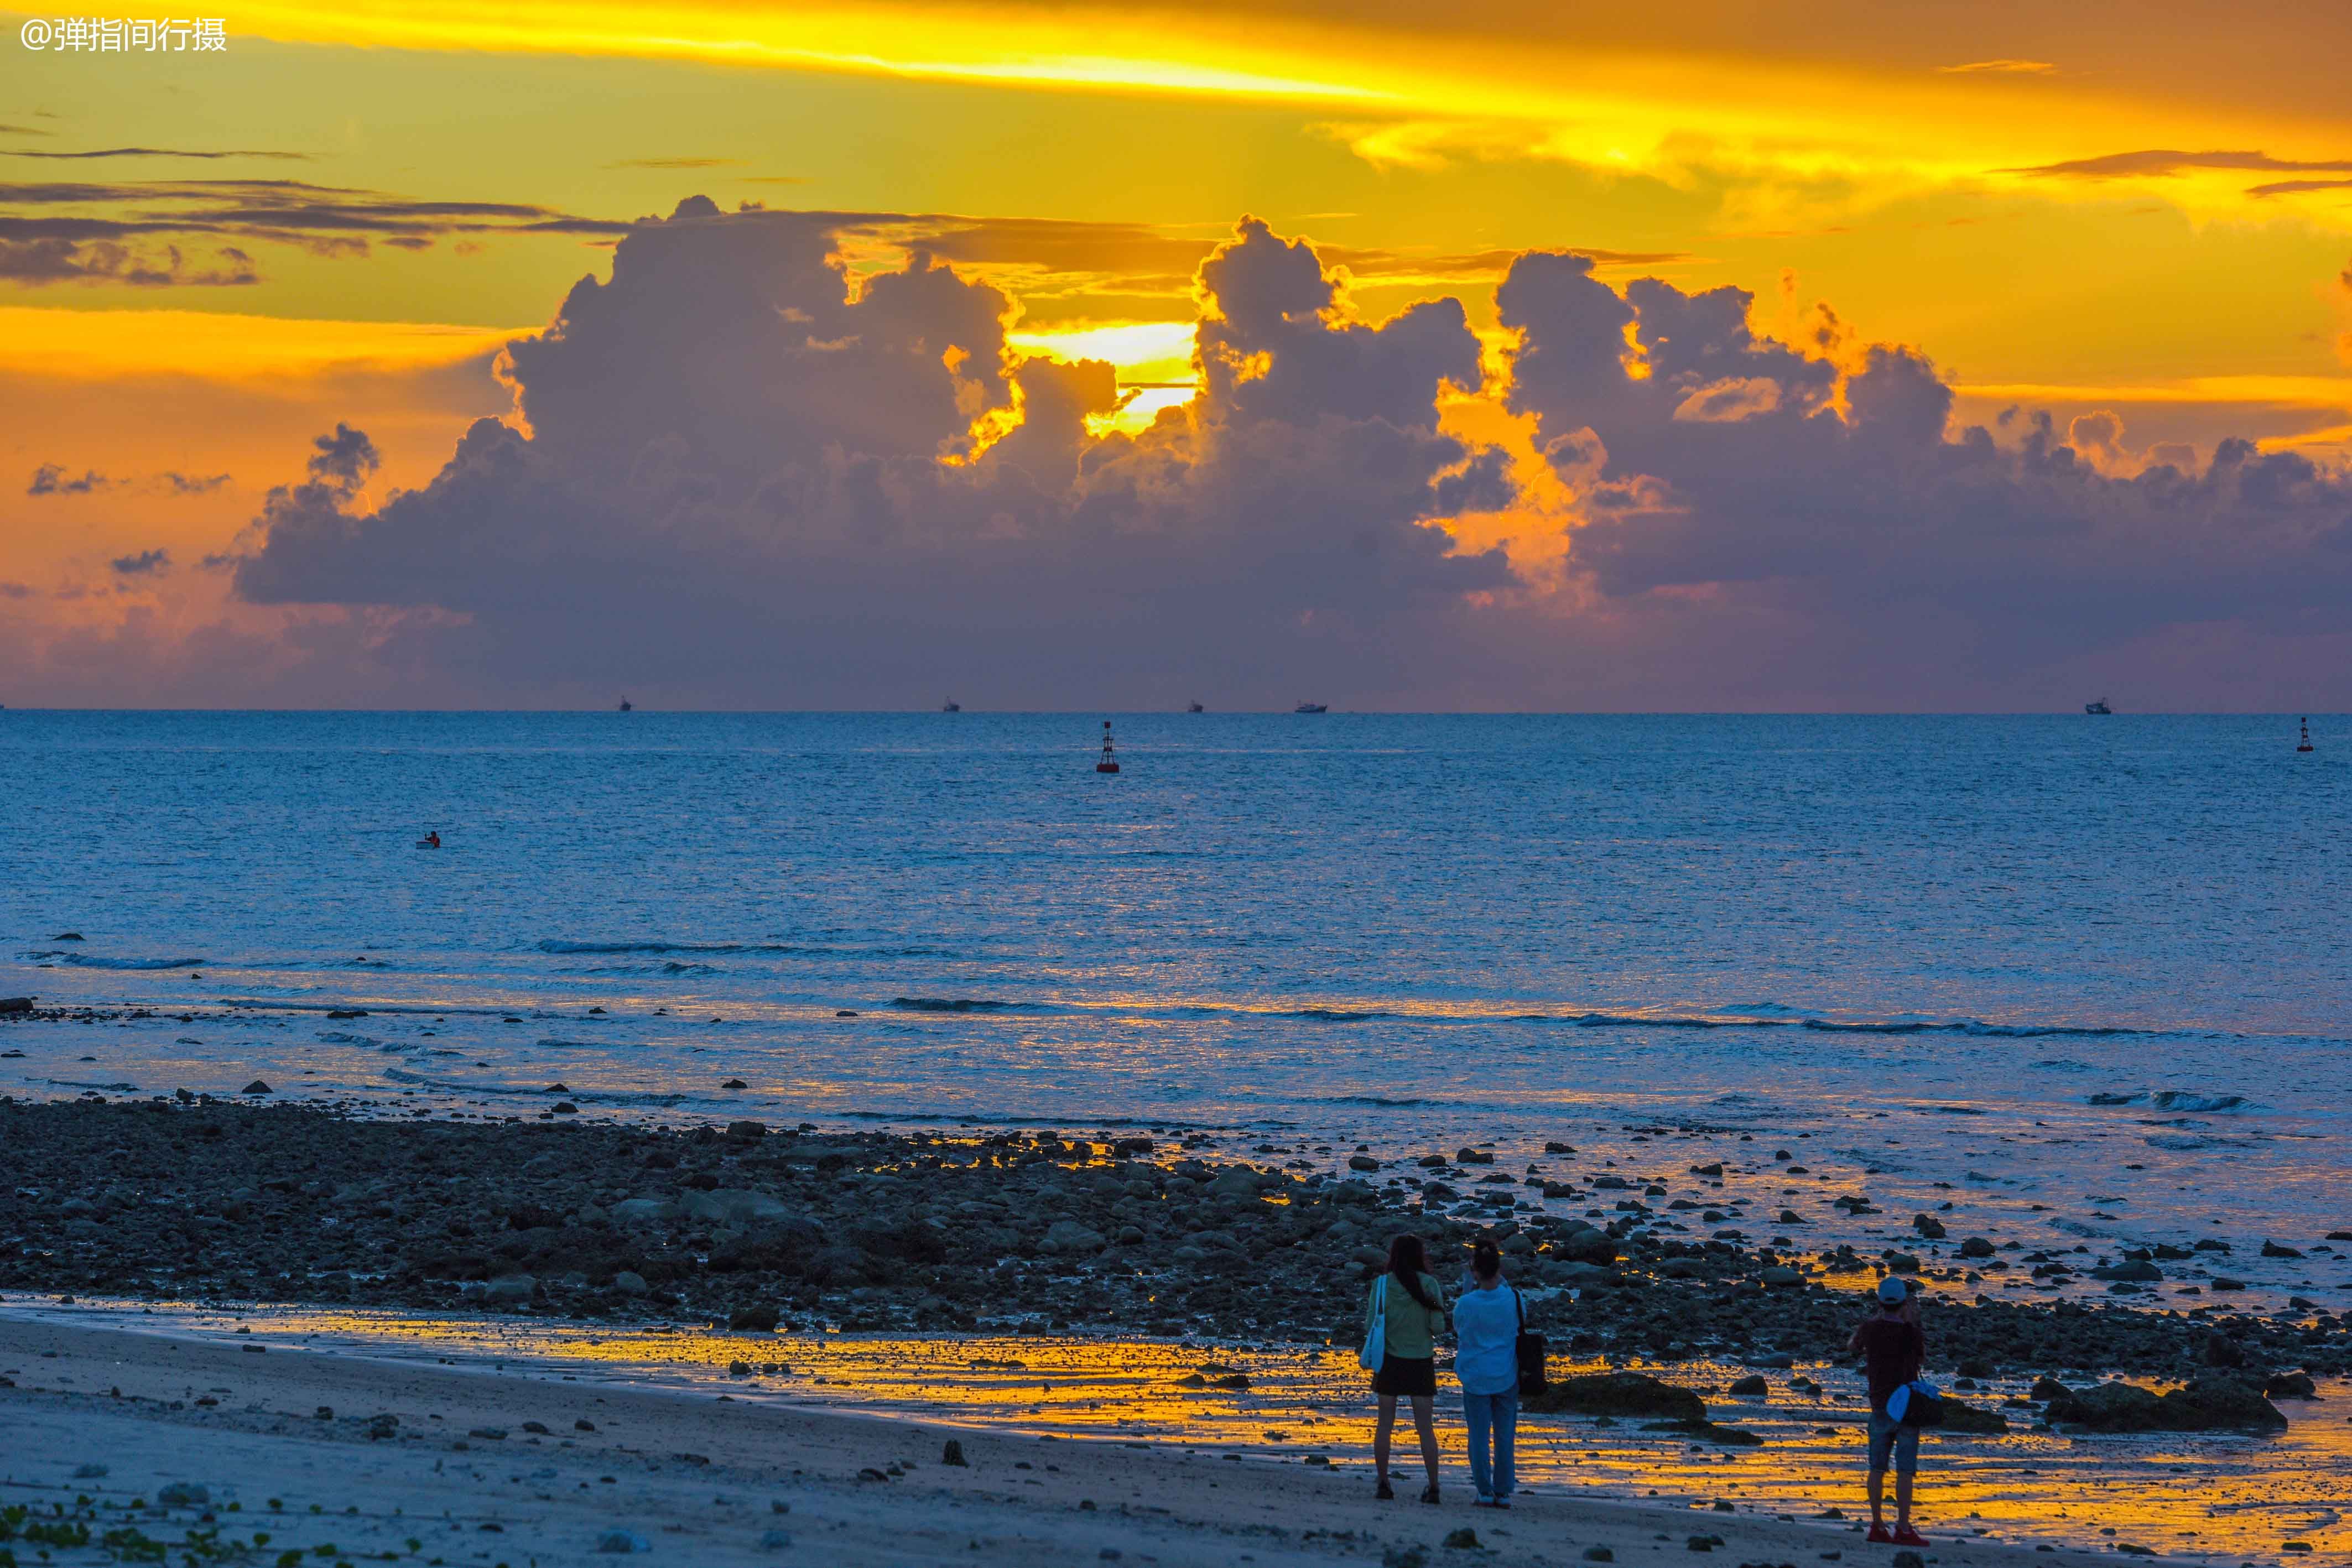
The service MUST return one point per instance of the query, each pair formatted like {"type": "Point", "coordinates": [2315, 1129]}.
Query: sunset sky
{"type": "Point", "coordinates": [1076, 356]}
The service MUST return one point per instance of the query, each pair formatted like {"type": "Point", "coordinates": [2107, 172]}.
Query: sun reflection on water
{"type": "Point", "coordinates": [2194, 1496]}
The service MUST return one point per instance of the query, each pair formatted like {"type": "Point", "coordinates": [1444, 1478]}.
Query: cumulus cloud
{"type": "Point", "coordinates": [733, 466]}
{"type": "Point", "coordinates": [1837, 493]}
{"type": "Point", "coordinates": [742, 470]}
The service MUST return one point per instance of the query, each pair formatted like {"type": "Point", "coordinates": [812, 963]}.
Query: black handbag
{"type": "Point", "coordinates": [1530, 1348]}
{"type": "Point", "coordinates": [1922, 1405]}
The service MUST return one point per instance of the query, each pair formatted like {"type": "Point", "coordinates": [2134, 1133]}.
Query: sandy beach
{"type": "Point", "coordinates": [478, 1466]}
{"type": "Point", "coordinates": [1138, 1350]}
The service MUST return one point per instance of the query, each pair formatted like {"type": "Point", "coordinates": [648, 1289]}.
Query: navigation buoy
{"type": "Point", "coordinates": [2306, 737]}
{"type": "Point", "coordinates": [1109, 764]}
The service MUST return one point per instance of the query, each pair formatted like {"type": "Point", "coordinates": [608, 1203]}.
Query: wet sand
{"type": "Point", "coordinates": [477, 1465]}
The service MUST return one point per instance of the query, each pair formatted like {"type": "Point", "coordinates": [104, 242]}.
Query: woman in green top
{"type": "Point", "coordinates": [1414, 1305]}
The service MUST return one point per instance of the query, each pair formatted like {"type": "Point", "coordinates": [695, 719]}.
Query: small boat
{"type": "Point", "coordinates": [1194, 707]}
{"type": "Point", "coordinates": [2306, 737]}
{"type": "Point", "coordinates": [952, 705]}
{"type": "Point", "coordinates": [2098, 708]}
{"type": "Point", "coordinates": [1311, 707]}
{"type": "Point", "coordinates": [1109, 764]}
{"type": "Point", "coordinates": [628, 707]}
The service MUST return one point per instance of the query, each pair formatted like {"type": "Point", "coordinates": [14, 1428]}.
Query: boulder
{"type": "Point", "coordinates": [1362, 1163]}
{"type": "Point", "coordinates": [728, 1206]}
{"type": "Point", "coordinates": [1928, 1226]}
{"type": "Point", "coordinates": [256, 1087]}
{"type": "Point", "coordinates": [2204, 1404]}
{"type": "Point", "coordinates": [1587, 1244]}
{"type": "Point", "coordinates": [1617, 1394]}
{"type": "Point", "coordinates": [510, 1289]}
{"type": "Point", "coordinates": [629, 1283]}
{"type": "Point", "coordinates": [2139, 1272]}
{"type": "Point", "coordinates": [1976, 1246]}
{"type": "Point", "coordinates": [1780, 1276]}
{"type": "Point", "coordinates": [642, 1211]}
{"type": "Point", "coordinates": [1972, 1419]}
{"type": "Point", "coordinates": [1067, 1238]}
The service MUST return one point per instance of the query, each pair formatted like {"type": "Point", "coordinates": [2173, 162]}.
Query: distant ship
{"type": "Point", "coordinates": [1311, 707]}
{"type": "Point", "coordinates": [1194, 707]}
{"type": "Point", "coordinates": [2097, 707]}
{"type": "Point", "coordinates": [627, 707]}
{"type": "Point", "coordinates": [952, 705]}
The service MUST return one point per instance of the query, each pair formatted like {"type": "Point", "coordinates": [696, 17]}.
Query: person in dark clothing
{"type": "Point", "coordinates": [1891, 1347]}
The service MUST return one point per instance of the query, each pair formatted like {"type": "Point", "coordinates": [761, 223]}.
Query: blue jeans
{"type": "Point", "coordinates": [1491, 1474]}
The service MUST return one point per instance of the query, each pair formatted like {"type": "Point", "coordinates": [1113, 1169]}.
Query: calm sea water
{"type": "Point", "coordinates": [2094, 964]}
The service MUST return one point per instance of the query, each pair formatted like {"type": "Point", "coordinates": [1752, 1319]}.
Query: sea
{"type": "Point", "coordinates": [2085, 980]}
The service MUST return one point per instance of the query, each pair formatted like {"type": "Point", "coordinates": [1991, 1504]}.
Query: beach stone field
{"type": "Point", "coordinates": [759, 1228]}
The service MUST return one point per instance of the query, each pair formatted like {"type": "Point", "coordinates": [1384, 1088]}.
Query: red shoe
{"type": "Point", "coordinates": [1907, 1536]}
{"type": "Point", "coordinates": [1878, 1536]}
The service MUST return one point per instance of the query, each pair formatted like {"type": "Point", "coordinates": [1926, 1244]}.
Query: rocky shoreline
{"type": "Point", "coordinates": [756, 1227]}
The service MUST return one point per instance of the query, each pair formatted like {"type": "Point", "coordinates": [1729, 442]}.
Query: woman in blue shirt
{"type": "Point", "coordinates": [1486, 1321]}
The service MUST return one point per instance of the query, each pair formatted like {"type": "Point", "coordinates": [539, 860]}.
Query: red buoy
{"type": "Point", "coordinates": [1109, 764]}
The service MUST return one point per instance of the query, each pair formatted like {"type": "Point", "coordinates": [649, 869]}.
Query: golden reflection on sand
{"type": "Point", "coordinates": [2213, 1497]}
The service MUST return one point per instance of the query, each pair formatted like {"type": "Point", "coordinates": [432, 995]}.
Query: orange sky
{"type": "Point", "coordinates": [206, 260]}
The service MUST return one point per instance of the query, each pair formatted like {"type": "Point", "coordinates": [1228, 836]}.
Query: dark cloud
{"type": "Point", "coordinates": [2296, 187]}
{"type": "Point", "coordinates": [673, 162]}
{"type": "Point", "coordinates": [1712, 461]}
{"type": "Point", "coordinates": [343, 460]}
{"type": "Point", "coordinates": [51, 479]}
{"type": "Point", "coordinates": [16, 590]}
{"type": "Point", "coordinates": [1374, 264]}
{"type": "Point", "coordinates": [756, 474]}
{"type": "Point", "coordinates": [40, 260]}
{"type": "Point", "coordinates": [40, 243]}
{"type": "Point", "coordinates": [24, 130]}
{"type": "Point", "coordinates": [2001, 67]}
{"type": "Point", "coordinates": [744, 474]}
{"type": "Point", "coordinates": [155, 152]}
{"type": "Point", "coordinates": [2165, 160]}
{"type": "Point", "coordinates": [146, 563]}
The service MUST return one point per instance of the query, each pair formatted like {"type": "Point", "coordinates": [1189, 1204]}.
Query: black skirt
{"type": "Point", "coordinates": [1406, 1377]}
